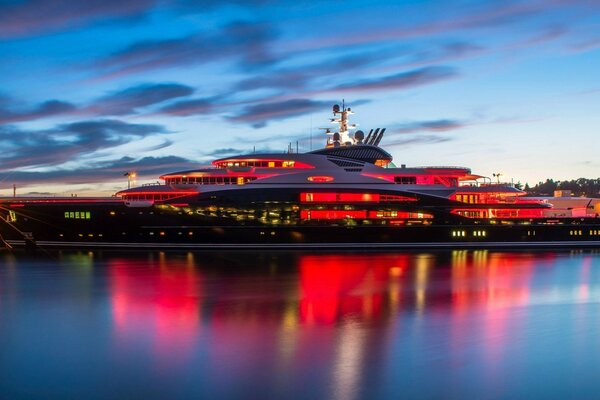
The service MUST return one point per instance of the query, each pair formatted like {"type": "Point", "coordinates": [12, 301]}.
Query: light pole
{"type": "Point", "coordinates": [497, 176]}
{"type": "Point", "coordinates": [130, 176]}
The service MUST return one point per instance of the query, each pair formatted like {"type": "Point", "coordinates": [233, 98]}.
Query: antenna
{"type": "Point", "coordinates": [374, 136]}
{"type": "Point", "coordinates": [376, 143]}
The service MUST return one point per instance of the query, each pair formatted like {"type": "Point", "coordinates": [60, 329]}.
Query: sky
{"type": "Point", "coordinates": [92, 90]}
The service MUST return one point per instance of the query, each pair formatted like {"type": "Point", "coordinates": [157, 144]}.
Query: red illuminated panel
{"type": "Point", "coordinates": [64, 200]}
{"type": "Point", "coordinates": [167, 192]}
{"type": "Point", "coordinates": [320, 179]}
{"type": "Point", "coordinates": [501, 213]}
{"type": "Point", "coordinates": [518, 213]}
{"type": "Point", "coordinates": [333, 197]}
{"type": "Point", "coordinates": [333, 214]}
{"type": "Point", "coordinates": [393, 198]}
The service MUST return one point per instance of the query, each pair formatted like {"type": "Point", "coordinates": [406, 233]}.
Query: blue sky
{"type": "Point", "coordinates": [91, 90]}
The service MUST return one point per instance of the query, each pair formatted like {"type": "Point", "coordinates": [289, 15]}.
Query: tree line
{"type": "Point", "coordinates": [579, 187]}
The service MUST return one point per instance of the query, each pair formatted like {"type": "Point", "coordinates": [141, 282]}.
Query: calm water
{"type": "Point", "coordinates": [462, 324]}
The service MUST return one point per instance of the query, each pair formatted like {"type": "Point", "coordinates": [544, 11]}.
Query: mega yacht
{"type": "Point", "coordinates": [348, 194]}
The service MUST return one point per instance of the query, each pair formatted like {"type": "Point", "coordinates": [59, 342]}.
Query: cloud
{"type": "Point", "coordinates": [258, 115]}
{"type": "Point", "coordinates": [224, 152]}
{"type": "Point", "coordinates": [30, 17]}
{"type": "Point", "coordinates": [243, 42]}
{"type": "Point", "coordinates": [545, 35]}
{"type": "Point", "coordinates": [201, 6]}
{"type": "Point", "coordinates": [484, 15]}
{"type": "Point", "coordinates": [438, 125]}
{"type": "Point", "coordinates": [585, 45]}
{"type": "Point", "coordinates": [410, 133]}
{"type": "Point", "coordinates": [48, 108]}
{"type": "Point", "coordinates": [67, 142]}
{"type": "Point", "coordinates": [403, 80]}
{"type": "Point", "coordinates": [123, 102]}
{"type": "Point", "coordinates": [300, 77]}
{"type": "Point", "coordinates": [186, 108]}
{"type": "Point", "coordinates": [445, 52]}
{"type": "Point", "coordinates": [127, 101]}
{"type": "Point", "coordinates": [417, 140]}
{"type": "Point", "coordinates": [107, 171]}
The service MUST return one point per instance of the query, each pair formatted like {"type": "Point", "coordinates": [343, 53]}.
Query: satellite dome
{"type": "Point", "coordinates": [359, 135]}
{"type": "Point", "coordinates": [336, 136]}
{"type": "Point", "coordinates": [336, 108]}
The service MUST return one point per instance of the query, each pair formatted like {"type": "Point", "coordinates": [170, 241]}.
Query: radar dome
{"type": "Point", "coordinates": [336, 136]}
{"type": "Point", "coordinates": [336, 108]}
{"type": "Point", "coordinates": [359, 135]}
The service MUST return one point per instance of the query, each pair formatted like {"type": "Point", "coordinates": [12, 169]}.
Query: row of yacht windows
{"type": "Point", "coordinates": [468, 198]}
{"type": "Point", "coordinates": [78, 215]}
{"type": "Point", "coordinates": [152, 196]}
{"type": "Point", "coordinates": [262, 164]}
{"type": "Point", "coordinates": [210, 180]}
{"type": "Point", "coordinates": [412, 180]}
{"type": "Point", "coordinates": [405, 180]}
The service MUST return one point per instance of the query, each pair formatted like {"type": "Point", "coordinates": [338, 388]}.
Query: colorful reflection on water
{"type": "Point", "coordinates": [460, 324]}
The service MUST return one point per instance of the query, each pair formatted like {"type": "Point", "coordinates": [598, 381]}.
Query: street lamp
{"type": "Point", "coordinates": [130, 176]}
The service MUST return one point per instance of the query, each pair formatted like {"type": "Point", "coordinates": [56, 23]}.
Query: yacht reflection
{"type": "Point", "coordinates": [156, 303]}
{"type": "Point", "coordinates": [278, 309]}
{"type": "Point", "coordinates": [341, 286]}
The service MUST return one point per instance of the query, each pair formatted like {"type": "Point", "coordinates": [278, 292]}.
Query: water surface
{"type": "Point", "coordinates": [461, 324]}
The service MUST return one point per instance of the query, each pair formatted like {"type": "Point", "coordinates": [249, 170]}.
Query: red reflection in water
{"type": "Point", "coordinates": [486, 289]}
{"type": "Point", "coordinates": [337, 286]}
{"type": "Point", "coordinates": [493, 280]}
{"type": "Point", "coordinates": [159, 304]}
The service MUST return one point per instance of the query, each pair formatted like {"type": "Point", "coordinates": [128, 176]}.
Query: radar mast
{"type": "Point", "coordinates": [343, 137]}
{"type": "Point", "coordinates": [340, 117]}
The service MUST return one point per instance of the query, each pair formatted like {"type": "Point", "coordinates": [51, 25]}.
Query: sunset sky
{"type": "Point", "coordinates": [91, 90]}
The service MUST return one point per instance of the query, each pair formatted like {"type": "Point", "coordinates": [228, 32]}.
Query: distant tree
{"type": "Point", "coordinates": [579, 187]}
{"type": "Point", "coordinates": [519, 185]}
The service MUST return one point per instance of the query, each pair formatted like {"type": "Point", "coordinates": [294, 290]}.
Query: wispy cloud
{"type": "Point", "coordinates": [103, 172]}
{"type": "Point", "coordinates": [483, 16]}
{"type": "Point", "coordinates": [67, 142]}
{"type": "Point", "coordinates": [29, 17]}
{"type": "Point", "coordinates": [418, 140]}
{"type": "Point", "coordinates": [185, 108]}
{"type": "Point", "coordinates": [302, 76]}
{"type": "Point", "coordinates": [259, 115]}
{"type": "Point", "coordinates": [438, 125]}
{"type": "Point", "coordinates": [403, 80]}
{"type": "Point", "coordinates": [50, 108]}
{"type": "Point", "coordinates": [129, 100]}
{"type": "Point", "coordinates": [241, 41]}
{"type": "Point", "coordinates": [224, 152]}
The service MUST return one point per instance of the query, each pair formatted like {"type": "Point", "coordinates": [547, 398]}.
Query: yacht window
{"type": "Point", "coordinates": [405, 180]}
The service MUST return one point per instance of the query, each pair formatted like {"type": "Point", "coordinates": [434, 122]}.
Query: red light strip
{"type": "Point", "coordinates": [320, 178]}
{"type": "Point", "coordinates": [344, 197]}
{"type": "Point", "coordinates": [25, 202]}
